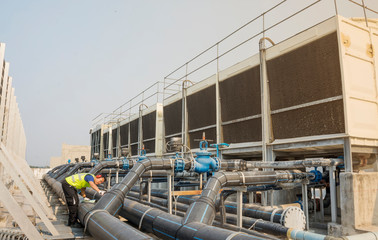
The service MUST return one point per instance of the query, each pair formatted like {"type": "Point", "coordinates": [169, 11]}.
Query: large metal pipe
{"type": "Point", "coordinates": [203, 210]}
{"type": "Point", "coordinates": [297, 164]}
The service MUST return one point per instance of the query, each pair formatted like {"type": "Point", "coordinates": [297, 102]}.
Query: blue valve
{"type": "Point", "coordinates": [142, 155]}
{"type": "Point", "coordinates": [318, 175]}
{"type": "Point", "coordinates": [125, 164]}
{"type": "Point", "coordinates": [217, 147]}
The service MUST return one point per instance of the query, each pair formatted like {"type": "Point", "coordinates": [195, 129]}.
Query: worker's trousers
{"type": "Point", "coordinates": [72, 201]}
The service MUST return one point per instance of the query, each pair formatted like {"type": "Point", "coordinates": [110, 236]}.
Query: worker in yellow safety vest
{"type": "Point", "coordinates": [71, 185]}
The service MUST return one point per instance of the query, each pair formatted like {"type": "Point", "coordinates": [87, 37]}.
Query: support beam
{"type": "Point", "coordinates": [36, 206]}
{"type": "Point", "coordinates": [15, 210]}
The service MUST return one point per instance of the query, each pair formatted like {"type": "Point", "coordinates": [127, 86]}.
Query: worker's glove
{"type": "Point", "coordinates": [101, 192]}
{"type": "Point", "coordinates": [86, 199]}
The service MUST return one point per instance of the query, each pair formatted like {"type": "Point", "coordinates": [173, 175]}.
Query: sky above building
{"type": "Point", "coordinates": [72, 60]}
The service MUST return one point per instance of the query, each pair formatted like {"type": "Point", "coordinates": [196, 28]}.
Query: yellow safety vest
{"type": "Point", "coordinates": [78, 181]}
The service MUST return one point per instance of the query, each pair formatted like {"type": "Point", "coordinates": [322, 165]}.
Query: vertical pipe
{"type": "Point", "coordinates": [335, 7]}
{"type": "Point", "coordinates": [117, 175]}
{"type": "Point", "coordinates": [363, 6]}
{"type": "Point", "coordinates": [110, 142]}
{"type": "Point", "coordinates": [239, 201]}
{"type": "Point", "coordinates": [169, 181]}
{"type": "Point", "coordinates": [140, 132]}
{"type": "Point", "coordinates": [109, 178]}
{"type": "Point", "coordinates": [200, 177]}
{"type": "Point", "coordinates": [250, 196]}
{"type": "Point", "coordinates": [305, 202]}
{"type": "Point", "coordinates": [149, 190]}
{"type": "Point", "coordinates": [321, 205]}
{"type": "Point", "coordinates": [102, 142]}
{"type": "Point", "coordinates": [314, 201]}
{"type": "Point", "coordinates": [218, 103]}
{"type": "Point", "coordinates": [332, 184]}
{"type": "Point", "coordinates": [348, 155]}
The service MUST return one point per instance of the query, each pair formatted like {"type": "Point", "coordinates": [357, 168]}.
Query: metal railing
{"type": "Point", "coordinates": [172, 83]}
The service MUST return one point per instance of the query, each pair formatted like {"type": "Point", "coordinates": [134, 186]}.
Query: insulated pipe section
{"type": "Point", "coordinates": [109, 227]}
{"type": "Point", "coordinates": [296, 164]}
{"type": "Point", "coordinates": [203, 210]}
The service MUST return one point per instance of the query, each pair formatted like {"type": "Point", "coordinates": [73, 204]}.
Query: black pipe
{"type": "Point", "coordinates": [203, 209]}
{"type": "Point", "coordinates": [74, 169]}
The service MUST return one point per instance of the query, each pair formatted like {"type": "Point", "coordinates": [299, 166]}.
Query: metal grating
{"type": "Point", "coordinates": [306, 74]}
{"type": "Point", "coordinates": [240, 95]}
{"type": "Point", "coordinates": [172, 118]}
{"type": "Point", "coordinates": [201, 108]}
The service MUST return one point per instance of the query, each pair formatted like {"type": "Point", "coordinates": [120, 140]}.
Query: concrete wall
{"type": "Point", "coordinates": [71, 152]}
{"type": "Point", "coordinates": [359, 201]}
{"type": "Point", "coordinates": [39, 172]}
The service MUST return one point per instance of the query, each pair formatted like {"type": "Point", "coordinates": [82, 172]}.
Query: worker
{"type": "Point", "coordinates": [70, 187]}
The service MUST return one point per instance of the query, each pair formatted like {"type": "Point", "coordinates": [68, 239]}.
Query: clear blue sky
{"type": "Point", "coordinates": [71, 60]}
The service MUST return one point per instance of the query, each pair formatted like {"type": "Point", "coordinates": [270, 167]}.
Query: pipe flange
{"type": "Point", "coordinates": [293, 217]}
{"type": "Point", "coordinates": [217, 164]}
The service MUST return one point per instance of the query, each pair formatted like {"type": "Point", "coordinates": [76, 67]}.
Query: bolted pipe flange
{"type": "Point", "coordinates": [179, 165]}
{"type": "Point", "coordinates": [317, 175]}
{"type": "Point", "coordinates": [125, 164]}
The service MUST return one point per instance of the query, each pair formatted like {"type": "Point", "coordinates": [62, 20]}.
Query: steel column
{"type": "Point", "coordinates": [332, 184]}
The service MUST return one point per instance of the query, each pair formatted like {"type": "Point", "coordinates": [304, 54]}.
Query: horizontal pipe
{"type": "Point", "coordinates": [295, 164]}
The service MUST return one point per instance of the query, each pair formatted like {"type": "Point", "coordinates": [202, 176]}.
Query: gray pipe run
{"type": "Point", "coordinates": [296, 164]}
{"type": "Point", "coordinates": [203, 209]}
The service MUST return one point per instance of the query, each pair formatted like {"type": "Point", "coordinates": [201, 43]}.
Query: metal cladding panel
{"type": "Point", "coordinates": [149, 146]}
{"type": "Point", "coordinates": [241, 95]}
{"type": "Point", "coordinates": [320, 119]}
{"type": "Point", "coordinates": [245, 131]}
{"type": "Point", "coordinates": [172, 118]}
{"type": "Point", "coordinates": [149, 125]}
{"type": "Point", "coordinates": [201, 108]}
{"type": "Point", "coordinates": [134, 130]}
{"type": "Point", "coordinates": [306, 74]}
{"type": "Point", "coordinates": [196, 137]}
{"type": "Point", "coordinates": [124, 129]}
